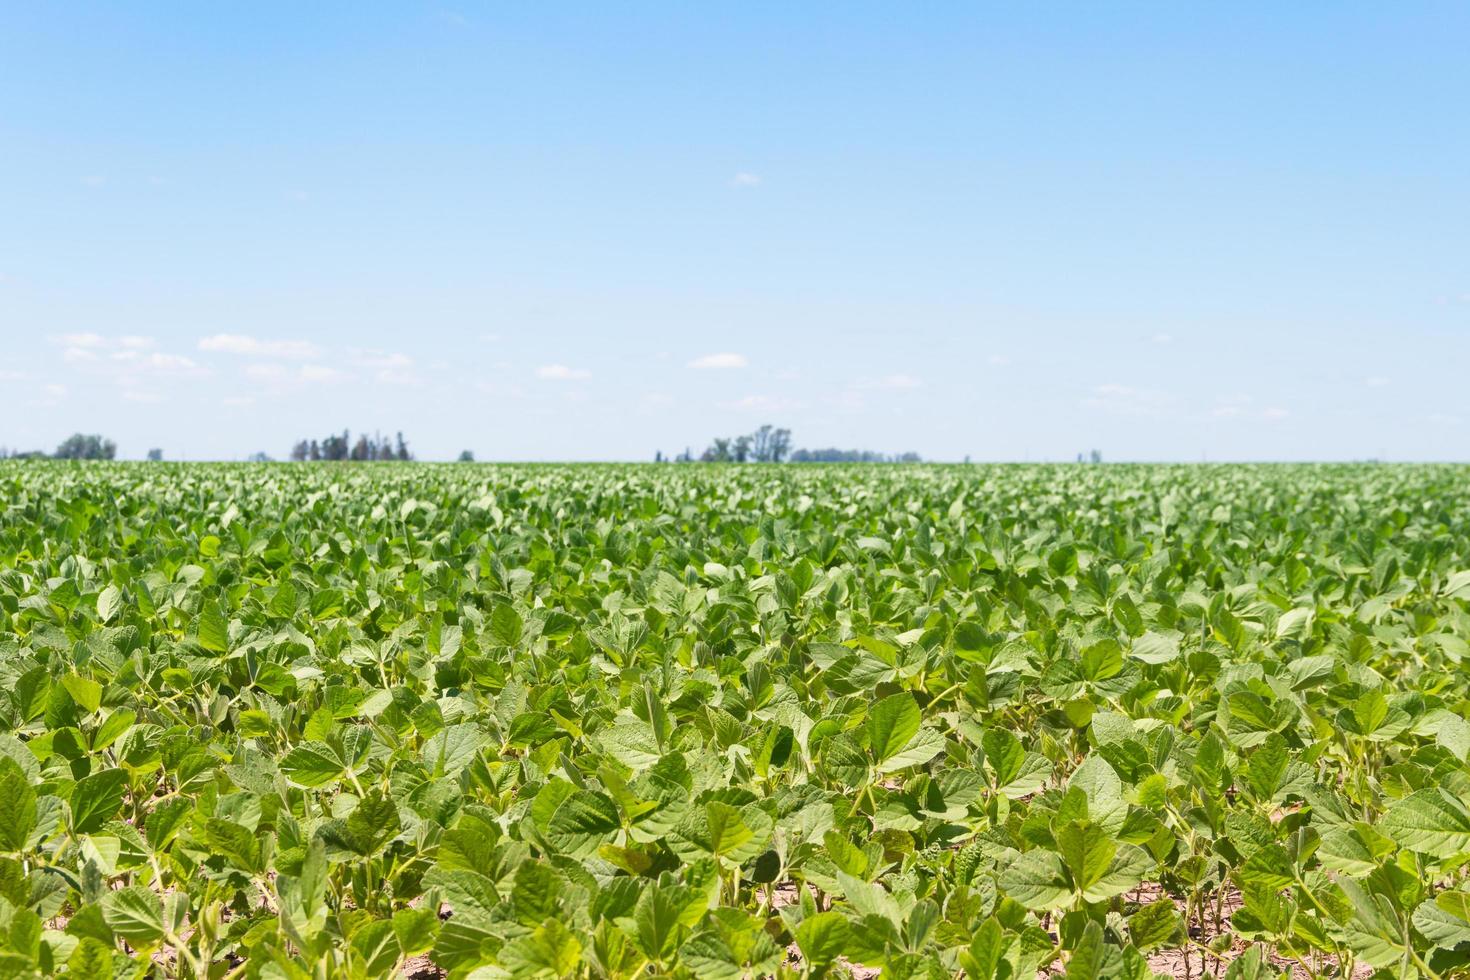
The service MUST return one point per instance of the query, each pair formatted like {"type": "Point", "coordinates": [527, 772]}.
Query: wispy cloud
{"type": "Point", "coordinates": [1120, 399]}
{"type": "Point", "coordinates": [388, 367]}
{"type": "Point", "coordinates": [279, 377]}
{"type": "Point", "coordinates": [246, 345]}
{"type": "Point", "coordinates": [1240, 407]}
{"type": "Point", "coordinates": [125, 359]}
{"type": "Point", "coordinates": [51, 396]}
{"type": "Point", "coordinates": [1163, 338]}
{"type": "Point", "coordinates": [997, 360]}
{"type": "Point", "coordinates": [560, 372]}
{"type": "Point", "coordinates": [319, 374]}
{"type": "Point", "coordinates": [1377, 381]}
{"type": "Point", "coordinates": [89, 346]}
{"type": "Point", "coordinates": [143, 396]}
{"type": "Point", "coordinates": [763, 403]}
{"type": "Point", "coordinates": [159, 363]}
{"type": "Point", "coordinates": [897, 382]}
{"type": "Point", "coordinates": [745, 179]}
{"type": "Point", "coordinates": [722, 361]}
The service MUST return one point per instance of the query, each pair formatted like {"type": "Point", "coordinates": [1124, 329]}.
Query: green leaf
{"type": "Point", "coordinates": [312, 764]}
{"type": "Point", "coordinates": [1087, 852]}
{"type": "Point", "coordinates": [925, 745]}
{"type": "Point", "coordinates": [135, 913]}
{"type": "Point", "coordinates": [823, 937]}
{"type": "Point", "coordinates": [1155, 648]}
{"type": "Point", "coordinates": [1372, 929]}
{"type": "Point", "coordinates": [416, 930]}
{"type": "Point", "coordinates": [17, 806]}
{"type": "Point", "coordinates": [891, 723]}
{"type": "Point", "coordinates": [91, 959]}
{"type": "Point", "coordinates": [1155, 924]}
{"type": "Point", "coordinates": [96, 798]}
{"type": "Point", "coordinates": [1439, 925]}
{"type": "Point", "coordinates": [1086, 961]}
{"type": "Point", "coordinates": [657, 917]}
{"type": "Point", "coordinates": [109, 603]}
{"type": "Point", "coordinates": [1038, 880]}
{"type": "Point", "coordinates": [213, 628]}
{"type": "Point", "coordinates": [86, 692]}
{"type": "Point", "coordinates": [550, 951]}
{"type": "Point", "coordinates": [1266, 765]}
{"type": "Point", "coordinates": [1429, 821]}
{"type": "Point", "coordinates": [372, 824]}
{"type": "Point", "coordinates": [582, 822]}
{"type": "Point", "coordinates": [506, 625]}
{"type": "Point", "coordinates": [1102, 660]}
{"type": "Point", "coordinates": [1106, 806]}
{"type": "Point", "coordinates": [1128, 868]}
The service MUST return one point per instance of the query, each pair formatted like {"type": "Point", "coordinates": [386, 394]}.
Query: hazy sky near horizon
{"type": "Point", "coordinates": [557, 231]}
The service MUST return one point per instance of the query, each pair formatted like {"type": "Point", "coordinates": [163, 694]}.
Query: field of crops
{"type": "Point", "coordinates": [338, 720]}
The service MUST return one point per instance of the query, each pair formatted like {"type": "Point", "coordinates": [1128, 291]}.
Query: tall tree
{"type": "Point", "coordinates": [86, 447]}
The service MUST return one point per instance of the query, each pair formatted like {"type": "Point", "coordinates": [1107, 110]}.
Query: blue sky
{"type": "Point", "coordinates": [550, 231]}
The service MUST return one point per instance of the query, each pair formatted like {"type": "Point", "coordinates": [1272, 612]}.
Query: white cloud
{"type": "Point", "coordinates": [51, 395]}
{"type": "Point", "coordinates": [126, 361]}
{"type": "Point", "coordinates": [560, 372]}
{"type": "Point", "coordinates": [238, 401]}
{"type": "Point", "coordinates": [279, 377]}
{"type": "Point", "coordinates": [998, 360]}
{"type": "Point", "coordinates": [1119, 399]}
{"type": "Point", "coordinates": [1376, 382]}
{"type": "Point", "coordinates": [12, 376]}
{"type": "Point", "coordinates": [265, 372]}
{"type": "Point", "coordinates": [745, 179]}
{"type": "Point", "coordinates": [82, 348]}
{"type": "Point", "coordinates": [170, 364]}
{"type": "Point", "coordinates": [237, 343]}
{"type": "Point", "coordinates": [1163, 338]}
{"type": "Point", "coordinates": [763, 403]}
{"type": "Point", "coordinates": [142, 396]}
{"type": "Point", "coordinates": [318, 373]}
{"type": "Point", "coordinates": [721, 361]}
{"type": "Point", "coordinates": [389, 367]}
{"type": "Point", "coordinates": [898, 382]}
{"type": "Point", "coordinates": [1240, 407]}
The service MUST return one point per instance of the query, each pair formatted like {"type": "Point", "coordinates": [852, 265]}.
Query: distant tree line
{"type": "Point", "coordinates": [78, 446]}
{"type": "Point", "coordinates": [764, 445]}
{"type": "Point", "coordinates": [852, 456]}
{"type": "Point", "coordinates": [341, 448]}
{"type": "Point", "coordinates": [771, 445]}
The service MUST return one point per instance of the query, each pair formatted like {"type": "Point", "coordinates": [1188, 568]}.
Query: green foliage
{"type": "Point", "coordinates": [730, 722]}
